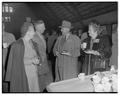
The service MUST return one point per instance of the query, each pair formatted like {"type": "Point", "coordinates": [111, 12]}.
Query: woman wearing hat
{"type": "Point", "coordinates": [97, 49]}
{"type": "Point", "coordinates": [67, 50]}
{"type": "Point", "coordinates": [22, 63]}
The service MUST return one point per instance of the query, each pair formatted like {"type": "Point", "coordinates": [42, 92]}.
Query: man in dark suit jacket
{"type": "Point", "coordinates": [44, 72]}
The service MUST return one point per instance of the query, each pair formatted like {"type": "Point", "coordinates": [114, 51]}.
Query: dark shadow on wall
{"type": "Point", "coordinates": [21, 11]}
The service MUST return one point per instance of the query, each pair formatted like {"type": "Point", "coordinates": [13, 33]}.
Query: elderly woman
{"type": "Point", "coordinates": [22, 63]}
{"type": "Point", "coordinates": [97, 49]}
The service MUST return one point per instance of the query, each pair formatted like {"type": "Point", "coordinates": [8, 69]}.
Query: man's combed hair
{"type": "Point", "coordinates": [39, 22]}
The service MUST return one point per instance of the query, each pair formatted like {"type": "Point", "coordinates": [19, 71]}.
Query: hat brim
{"type": "Point", "coordinates": [65, 26]}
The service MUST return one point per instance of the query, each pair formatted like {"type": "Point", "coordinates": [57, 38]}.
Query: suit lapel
{"type": "Point", "coordinates": [42, 40]}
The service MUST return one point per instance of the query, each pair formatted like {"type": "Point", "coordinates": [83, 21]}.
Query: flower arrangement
{"type": "Point", "coordinates": [105, 81]}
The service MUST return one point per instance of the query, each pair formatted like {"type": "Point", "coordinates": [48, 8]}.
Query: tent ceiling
{"type": "Point", "coordinates": [54, 13]}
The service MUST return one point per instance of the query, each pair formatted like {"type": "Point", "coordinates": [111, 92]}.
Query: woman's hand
{"type": "Point", "coordinates": [92, 52]}
{"type": "Point", "coordinates": [84, 45]}
{"type": "Point", "coordinates": [89, 51]}
{"type": "Point", "coordinates": [35, 60]}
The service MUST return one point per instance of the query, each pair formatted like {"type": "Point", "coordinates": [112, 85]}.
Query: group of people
{"type": "Point", "coordinates": [28, 68]}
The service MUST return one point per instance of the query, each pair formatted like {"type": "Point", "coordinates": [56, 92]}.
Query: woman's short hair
{"type": "Point", "coordinates": [25, 27]}
{"type": "Point", "coordinates": [96, 26]}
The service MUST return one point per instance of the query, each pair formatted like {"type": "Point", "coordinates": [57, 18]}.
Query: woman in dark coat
{"type": "Point", "coordinates": [22, 70]}
{"type": "Point", "coordinates": [97, 50]}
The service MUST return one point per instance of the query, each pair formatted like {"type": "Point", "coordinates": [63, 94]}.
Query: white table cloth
{"type": "Point", "coordinates": [71, 85]}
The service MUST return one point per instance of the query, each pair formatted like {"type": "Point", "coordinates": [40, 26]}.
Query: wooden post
{"type": "Point", "coordinates": [89, 63]}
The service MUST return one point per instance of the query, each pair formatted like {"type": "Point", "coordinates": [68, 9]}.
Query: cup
{"type": "Point", "coordinates": [81, 76]}
{"type": "Point", "coordinates": [84, 45]}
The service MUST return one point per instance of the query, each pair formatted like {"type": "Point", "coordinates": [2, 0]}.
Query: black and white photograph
{"type": "Point", "coordinates": [59, 47]}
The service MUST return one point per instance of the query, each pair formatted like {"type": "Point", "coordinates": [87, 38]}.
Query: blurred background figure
{"type": "Point", "coordinates": [50, 44]}
{"type": "Point", "coordinates": [84, 36]}
{"type": "Point", "coordinates": [80, 58]}
{"type": "Point", "coordinates": [51, 40]}
{"type": "Point", "coordinates": [28, 19]}
{"type": "Point", "coordinates": [79, 33]}
{"type": "Point", "coordinates": [7, 40]}
{"type": "Point", "coordinates": [74, 31]}
{"type": "Point", "coordinates": [46, 35]}
{"type": "Point", "coordinates": [114, 57]}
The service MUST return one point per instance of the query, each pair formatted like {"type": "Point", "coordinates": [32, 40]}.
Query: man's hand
{"type": "Point", "coordinates": [57, 53]}
{"type": "Point", "coordinates": [66, 53]}
{"type": "Point", "coordinates": [35, 60]}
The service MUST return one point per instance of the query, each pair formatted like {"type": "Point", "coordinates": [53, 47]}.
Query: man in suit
{"type": "Point", "coordinates": [45, 76]}
{"type": "Point", "coordinates": [67, 50]}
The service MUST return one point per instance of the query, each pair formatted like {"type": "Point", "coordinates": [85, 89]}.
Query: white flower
{"type": "Point", "coordinates": [98, 87]}
{"type": "Point", "coordinates": [105, 79]}
{"type": "Point", "coordinates": [115, 86]}
{"type": "Point", "coordinates": [96, 79]}
{"type": "Point", "coordinates": [114, 79]}
{"type": "Point", "coordinates": [107, 87]}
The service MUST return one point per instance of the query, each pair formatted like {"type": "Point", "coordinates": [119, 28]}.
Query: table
{"type": "Point", "coordinates": [71, 85]}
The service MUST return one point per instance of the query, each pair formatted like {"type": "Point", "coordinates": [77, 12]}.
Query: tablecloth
{"type": "Point", "coordinates": [71, 85]}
